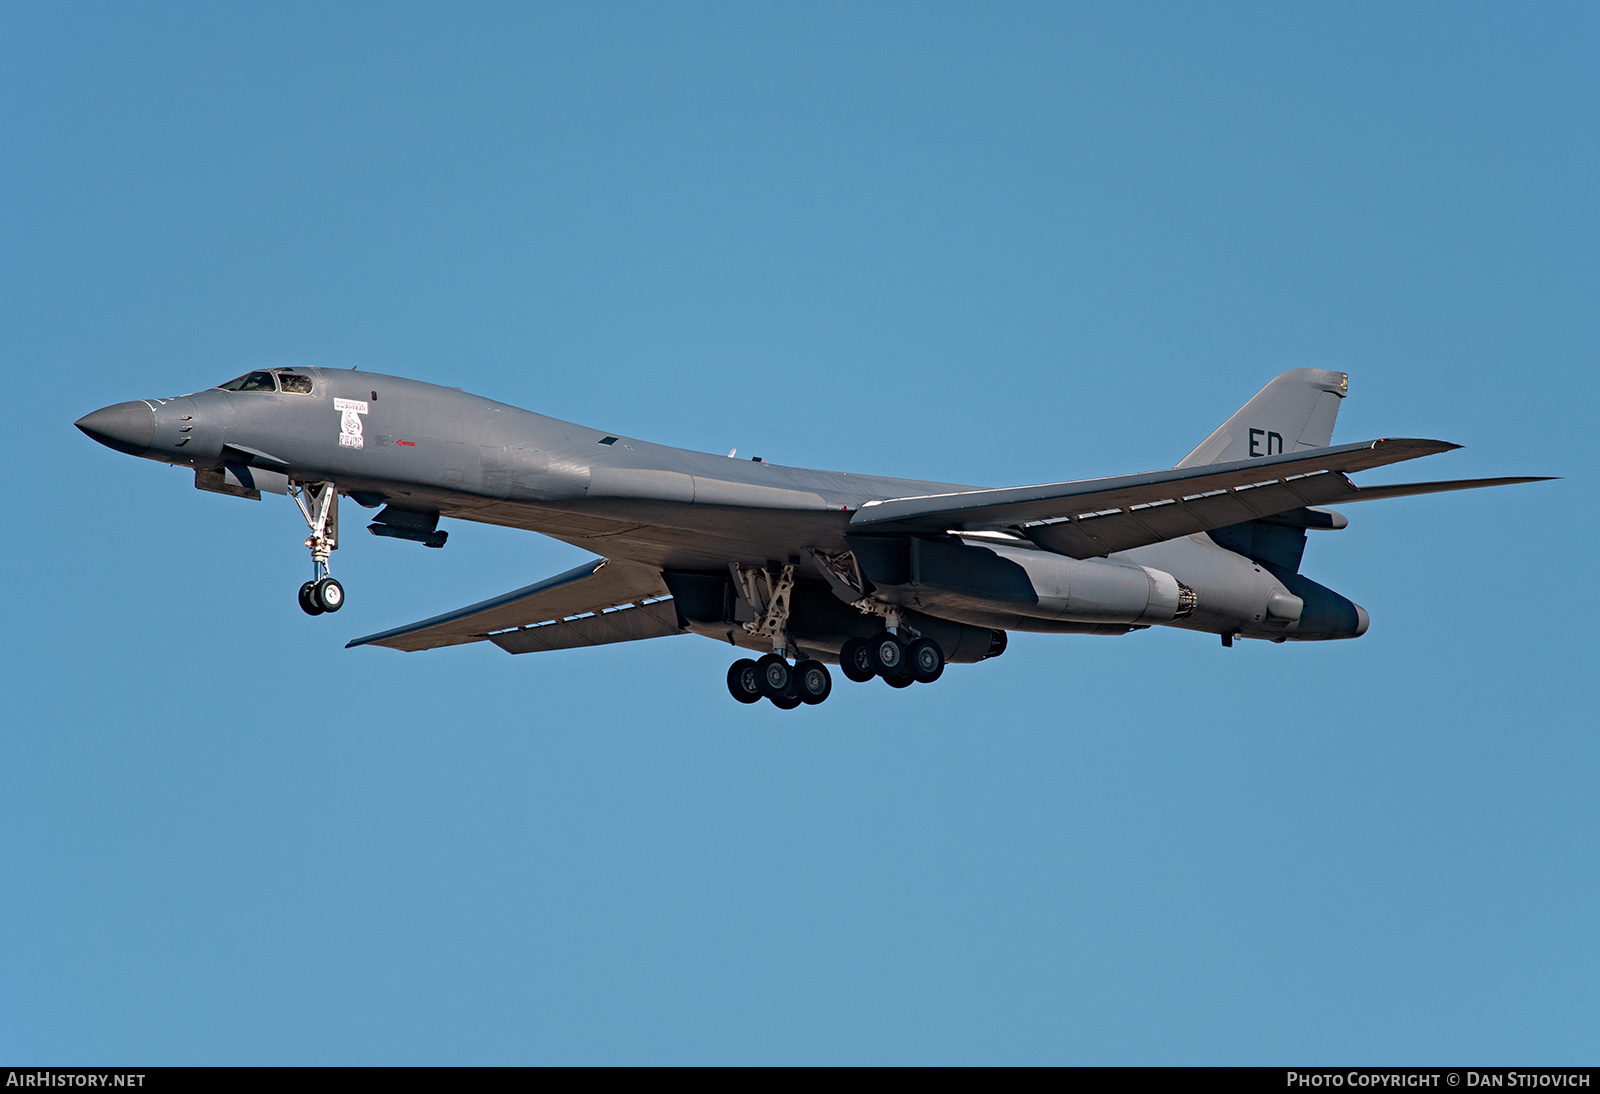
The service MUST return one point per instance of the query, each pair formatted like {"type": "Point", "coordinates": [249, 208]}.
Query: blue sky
{"type": "Point", "coordinates": [982, 243]}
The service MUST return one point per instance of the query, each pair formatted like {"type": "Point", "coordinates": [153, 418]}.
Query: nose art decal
{"type": "Point", "coordinates": [350, 411]}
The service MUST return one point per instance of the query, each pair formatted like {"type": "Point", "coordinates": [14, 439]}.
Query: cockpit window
{"type": "Point", "coordinates": [294, 383]}
{"type": "Point", "coordinates": [251, 381]}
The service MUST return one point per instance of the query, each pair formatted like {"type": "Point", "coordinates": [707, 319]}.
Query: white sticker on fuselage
{"type": "Point", "coordinates": [350, 411]}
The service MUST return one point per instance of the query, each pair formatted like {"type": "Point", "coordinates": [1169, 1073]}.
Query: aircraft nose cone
{"type": "Point", "coordinates": [127, 427]}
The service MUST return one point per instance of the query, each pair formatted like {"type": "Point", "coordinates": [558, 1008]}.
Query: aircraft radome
{"type": "Point", "coordinates": [892, 578]}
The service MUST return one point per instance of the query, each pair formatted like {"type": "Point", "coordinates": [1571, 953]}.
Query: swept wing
{"type": "Point", "coordinates": [590, 605]}
{"type": "Point", "coordinates": [1093, 517]}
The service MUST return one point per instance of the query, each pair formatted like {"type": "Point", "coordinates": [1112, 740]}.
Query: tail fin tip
{"type": "Point", "coordinates": [1295, 411]}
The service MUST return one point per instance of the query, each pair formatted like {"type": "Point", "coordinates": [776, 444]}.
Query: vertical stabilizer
{"type": "Point", "coordinates": [1293, 412]}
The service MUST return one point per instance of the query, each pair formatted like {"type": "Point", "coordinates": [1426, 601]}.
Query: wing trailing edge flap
{"type": "Point", "coordinates": [1094, 517]}
{"type": "Point", "coordinates": [590, 605]}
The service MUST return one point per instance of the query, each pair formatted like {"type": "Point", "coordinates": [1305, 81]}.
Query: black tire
{"type": "Point", "coordinates": [926, 660]}
{"type": "Point", "coordinates": [900, 681]}
{"type": "Point", "coordinates": [785, 702]}
{"type": "Point", "coordinates": [742, 681]}
{"type": "Point", "coordinates": [308, 600]}
{"type": "Point", "coordinates": [774, 676]}
{"type": "Point", "coordinates": [328, 594]}
{"type": "Point", "coordinates": [812, 682]}
{"type": "Point", "coordinates": [855, 661]}
{"type": "Point", "coordinates": [888, 656]}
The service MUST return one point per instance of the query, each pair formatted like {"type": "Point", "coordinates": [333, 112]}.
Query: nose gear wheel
{"type": "Point", "coordinates": [329, 594]}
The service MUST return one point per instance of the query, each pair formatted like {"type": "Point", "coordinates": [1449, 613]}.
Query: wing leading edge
{"type": "Point", "coordinates": [1094, 517]}
{"type": "Point", "coordinates": [590, 605]}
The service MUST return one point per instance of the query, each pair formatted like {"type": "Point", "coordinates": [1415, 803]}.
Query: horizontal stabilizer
{"type": "Point", "coordinates": [1095, 517]}
{"type": "Point", "coordinates": [599, 602]}
{"type": "Point", "coordinates": [1410, 489]}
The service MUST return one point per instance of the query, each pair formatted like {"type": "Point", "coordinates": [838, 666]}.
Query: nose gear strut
{"type": "Point", "coordinates": [319, 504]}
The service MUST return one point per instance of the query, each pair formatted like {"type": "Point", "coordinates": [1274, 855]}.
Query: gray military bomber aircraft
{"type": "Point", "coordinates": [892, 578]}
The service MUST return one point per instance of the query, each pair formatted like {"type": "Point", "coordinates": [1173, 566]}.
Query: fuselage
{"type": "Point", "coordinates": [388, 440]}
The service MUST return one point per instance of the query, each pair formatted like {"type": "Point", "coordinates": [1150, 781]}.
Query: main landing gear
{"type": "Point", "coordinates": [786, 686]}
{"type": "Point", "coordinates": [319, 504]}
{"type": "Point", "coordinates": [772, 677]}
{"type": "Point", "coordinates": [888, 656]}
{"type": "Point", "coordinates": [896, 654]}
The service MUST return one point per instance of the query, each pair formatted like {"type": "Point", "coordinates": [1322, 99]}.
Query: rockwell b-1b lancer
{"type": "Point", "coordinates": [887, 578]}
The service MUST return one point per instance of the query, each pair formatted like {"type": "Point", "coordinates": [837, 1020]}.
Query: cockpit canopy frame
{"type": "Point", "coordinates": [273, 381]}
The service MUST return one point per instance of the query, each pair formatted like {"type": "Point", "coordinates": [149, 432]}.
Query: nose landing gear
{"type": "Point", "coordinates": [319, 504]}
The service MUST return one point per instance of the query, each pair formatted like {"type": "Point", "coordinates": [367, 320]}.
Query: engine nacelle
{"type": "Point", "coordinates": [1252, 597]}
{"type": "Point", "coordinates": [962, 578]}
